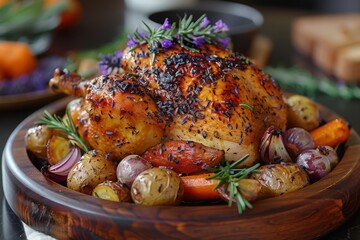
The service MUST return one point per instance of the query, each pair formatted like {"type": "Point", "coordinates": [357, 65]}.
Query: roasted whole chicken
{"type": "Point", "coordinates": [213, 96]}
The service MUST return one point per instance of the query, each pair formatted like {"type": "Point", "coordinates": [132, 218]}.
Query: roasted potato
{"type": "Point", "coordinates": [302, 112]}
{"type": "Point", "coordinates": [57, 148]}
{"type": "Point", "coordinates": [157, 186]}
{"type": "Point", "coordinates": [249, 188]}
{"type": "Point", "coordinates": [93, 168]}
{"type": "Point", "coordinates": [278, 179]}
{"type": "Point", "coordinates": [113, 191]}
{"type": "Point", "coordinates": [186, 157]}
{"type": "Point", "coordinates": [36, 140]}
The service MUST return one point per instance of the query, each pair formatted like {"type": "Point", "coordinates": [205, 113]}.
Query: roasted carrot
{"type": "Point", "coordinates": [198, 187]}
{"type": "Point", "coordinates": [185, 157]}
{"type": "Point", "coordinates": [331, 133]}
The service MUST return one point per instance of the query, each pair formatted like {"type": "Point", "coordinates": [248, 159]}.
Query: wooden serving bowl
{"type": "Point", "coordinates": [65, 214]}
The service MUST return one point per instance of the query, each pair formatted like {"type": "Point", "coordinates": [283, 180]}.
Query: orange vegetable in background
{"type": "Point", "coordinates": [16, 59]}
{"type": "Point", "coordinates": [3, 2]}
{"type": "Point", "coordinates": [331, 133]}
{"type": "Point", "coordinates": [70, 16]}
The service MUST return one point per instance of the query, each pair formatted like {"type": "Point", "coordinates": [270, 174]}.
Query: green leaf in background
{"type": "Point", "coordinates": [25, 17]}
{"type": "Point", "coordinates": [54, 10]}
{"type": "Point", "coordinates": [5, 10]}
{"type": "Point", "coordinates": [19, 17]}
{"type": "Point", "coordinates": [297, 80]}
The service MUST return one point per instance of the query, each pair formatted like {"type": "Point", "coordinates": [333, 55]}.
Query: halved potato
{"type": "Point", "coordinates": [57, 149]}
{"type": "Point", "coordinates": [113, 191]}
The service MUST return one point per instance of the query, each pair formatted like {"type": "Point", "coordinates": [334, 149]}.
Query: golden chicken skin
{"type": "Point", "coordinates": [123, 118]}
{"type": "Point", "coordinates": [212, 96]}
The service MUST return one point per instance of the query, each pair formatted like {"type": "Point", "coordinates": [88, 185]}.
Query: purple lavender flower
{"type": "Point", "coordinates": [166, 25]}
{"type": "Point", "coordinates": [198, 41]}
{"type": "Point", "coordinates": [110, 63]}
{"type": "Point", "coordinates": [166, 44]}
{"type": "Point", "coordinates": [221, 26]}
{"type": "Point", "coordinates": [205, 22]}
{"type": "Point", "coordinates": [103, 69]}
{"type": "Point", "coordinates": [224, 42]}
{"type": "Point", "coordinates": [132, 42]}
{"type": "Point", "coordinates": [118, 55]}
{"type": "Point", "coordinates": [143, 34]}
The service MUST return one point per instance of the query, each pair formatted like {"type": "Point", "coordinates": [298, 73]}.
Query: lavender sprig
{"type": "Point", "coordinates": [189, 34]}
{"type": "Point", "coordinates": [110, 63]}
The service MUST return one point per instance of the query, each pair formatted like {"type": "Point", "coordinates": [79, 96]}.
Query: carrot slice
{"type": "Point", "coordinates": [331, 133]}
{"type": "Point", "coordinates": [185, 157]}
{"type": "Point", "coordinates": [198, 187]}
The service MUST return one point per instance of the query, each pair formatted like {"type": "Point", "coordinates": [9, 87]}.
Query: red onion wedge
{"type": "Point", "coordinates": [59, 171]}
{"type": "Point", "coordinates": [272, 148]}
{"type": "Point", "coordinates": [297, 140]}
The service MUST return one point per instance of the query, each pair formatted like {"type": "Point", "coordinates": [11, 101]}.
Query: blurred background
{"type": "Point", "coordinates": [72, 33]}
{"type": "Point", "coordinates": [324, 6]}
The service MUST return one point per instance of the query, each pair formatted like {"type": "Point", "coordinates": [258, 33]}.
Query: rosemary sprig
{"type": "Point", "coordinates": [67, 126]}
{"type": "Point", "coordinates": [298, 80]}
{"type": "Point", "coordinates": [229, 176]}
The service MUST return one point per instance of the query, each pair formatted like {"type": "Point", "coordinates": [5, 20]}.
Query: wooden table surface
{"type": "Point", "coordinates": [103, 21]}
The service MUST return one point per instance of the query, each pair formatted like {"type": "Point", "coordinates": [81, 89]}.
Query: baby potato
{"type": "Point", "coordinates": [36, 140]}
{"type": "Point", "coordinates": [278, 179]}
{"type": "Point", "coordinates": [157, 186]}
{"type": "Point", "coordinates": [113, 191]}
{"type": "Point", "coordinates": [93, 168]}
{"type": "Point", "coordinates": [302, 112]}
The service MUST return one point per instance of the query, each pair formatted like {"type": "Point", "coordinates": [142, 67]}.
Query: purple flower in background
{"type": "Point", "coordinates": [198, 41]}
{"type": "Point", "coordinates": [34, 81]}
{"type": "Point", "coordinates": [110, 63]}
{"type": "Point", "coordinates": [221, 26]}
{"type": "Point", "coordinates": [224, 42]}
{"type": "Point", "coordinates": [166, 44]}
{"type": "Point", "coordinates": [166, 25]}
{"type": "Point", "coordinates": [205, 22]}
{"type": "Point", "coordinates": [132, 42]}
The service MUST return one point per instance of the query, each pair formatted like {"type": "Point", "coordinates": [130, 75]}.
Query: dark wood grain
{"type": "Point", "coordinates": [55, 210]}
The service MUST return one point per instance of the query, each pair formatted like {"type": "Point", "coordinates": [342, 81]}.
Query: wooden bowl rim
{"type": "Point", "coordinates": [317, 193]}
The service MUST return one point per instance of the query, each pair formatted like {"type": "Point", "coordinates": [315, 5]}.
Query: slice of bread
{"type": "Point", "coordinates": [347, 64]}
{"type": "Point", "coordinates": [323, 38]}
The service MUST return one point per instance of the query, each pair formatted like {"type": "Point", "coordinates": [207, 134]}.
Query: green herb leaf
{"type": "Point", "coordinates": [229, 176]}
{"type": "Point", "coordinates": [300, 81]}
